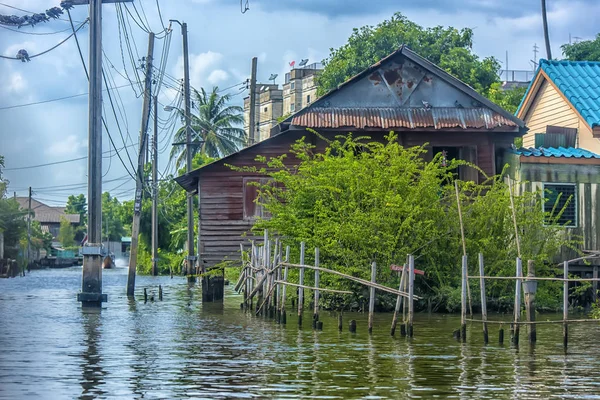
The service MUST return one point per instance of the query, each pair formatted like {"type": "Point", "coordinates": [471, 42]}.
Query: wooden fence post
{"type": "Point", "coordinates": [483, 299]}
{"type": "Point", "coordinates": [565, 303]}
{"type": "Point", "coordinates": [463, 300]}
{"type": "Point", "coordinates": [411, 286]}
{"type": "Point", "coordinates": [398, 301]}
{"type": "Point", "coordinates": [300, 289]}
{"type": "Point", "coordinates": [285, 278]}
{"type": "Point", "coordinates": [517, 309]}
{"type": "Point", "coordinates": [530, 287]}
{"type": "Point", "coordinates": [372, 296]}
{"type": "Point", "coordinates": [595, 284]}
{"type": "Point", "coordinates": [316, 305]}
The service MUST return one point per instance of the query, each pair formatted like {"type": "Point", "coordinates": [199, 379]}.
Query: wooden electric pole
{"type": "Point", "coordinates": [251, 126]}
{"type": "Point", "coordinates": [139, 176]}
{"type": "Point", "coordinates": [155, 191]}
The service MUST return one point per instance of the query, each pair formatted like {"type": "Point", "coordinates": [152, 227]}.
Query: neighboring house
{"type": "Point", "coordinates": [273, 102]}
{"type": "Point", "coordinates": [48, 217]}
{"type": "Point", "coordinates": [403, 93]}
{"type": "Point", "coordinates": [562, 106]}
{"type": "Point", "coordinates": [575, 174]}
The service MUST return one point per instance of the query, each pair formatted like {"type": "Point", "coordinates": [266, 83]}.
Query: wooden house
{"type": "Point", "coordinates": [403, 93]}
{"type": "Point", "coordinates": [575, 175]}
{"type": "Point", "coordinates": [48, 217]}
{"type": "Point", "coordinates": [561, 107]}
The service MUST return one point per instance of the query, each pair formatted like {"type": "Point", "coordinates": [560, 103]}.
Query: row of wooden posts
{"type": "Point", "coordinates": [265, 275]}
{"type": "Point", "coordinates": [527, 285]}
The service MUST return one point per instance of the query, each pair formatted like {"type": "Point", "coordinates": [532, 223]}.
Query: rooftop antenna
{"type": "Point", "coordinates": [273, 77]}
{"type": "Point", "coordinates": [303, 62]}
{"type": "Point", "coordinates": [535, 51]}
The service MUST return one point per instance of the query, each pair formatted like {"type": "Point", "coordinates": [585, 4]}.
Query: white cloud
{"type": "Point", "coordinates": [66, 147]}
{"type": "Point", "coordinates": [201, 66]}
{"type": "Point", "coordinates": [217, 76]}
{"type": "Point", "coordinates": [16, 83]}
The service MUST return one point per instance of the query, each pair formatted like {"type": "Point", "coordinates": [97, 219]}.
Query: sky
{"type": "Point", "coordinates": [222, 41]}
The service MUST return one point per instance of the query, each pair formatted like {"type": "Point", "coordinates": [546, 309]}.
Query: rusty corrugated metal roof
{"type": "Point", "coordinates": [408, 118]}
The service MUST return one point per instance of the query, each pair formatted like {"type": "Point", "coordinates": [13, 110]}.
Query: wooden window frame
{"type": "Point", "coordinates": [259, 211]}
{"type": "Point", "coordinates": [575, 202]}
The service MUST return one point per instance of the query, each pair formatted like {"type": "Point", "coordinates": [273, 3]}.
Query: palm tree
{"type": "Point", "coordinates": [214, 128]}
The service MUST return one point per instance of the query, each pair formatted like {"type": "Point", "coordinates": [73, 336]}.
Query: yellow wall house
{"type": "Point", "coordinates": [562, 106]}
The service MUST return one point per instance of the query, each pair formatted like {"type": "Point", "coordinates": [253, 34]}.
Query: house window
{"type": "Point", "coordinates": [266, 108]}
{"type": "Point", "coordinates": [558, 196]}
{"type": "Point", "coordinates": [467, 153]}
{"type": "Point", "coordinates": [308, 99]}
{"type": "Point", "coordinates": [292, 85]}
{"type": "Point", "coordinates": [292, 107]}
{"type": "Point", "coordinates": [252, 209]}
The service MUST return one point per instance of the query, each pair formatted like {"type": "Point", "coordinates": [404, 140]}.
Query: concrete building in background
{"type": "Point", "coordinates": [274, 102]}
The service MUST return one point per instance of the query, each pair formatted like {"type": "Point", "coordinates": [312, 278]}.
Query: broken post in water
{"type": "Point", "coordinates": [463, 300]}
{"type": "Point", "coordinates": [565, 304]}
{"type": "Point", "coordinates": [411, 287]}
{"type": "Point", "coordinates": [398, 301]}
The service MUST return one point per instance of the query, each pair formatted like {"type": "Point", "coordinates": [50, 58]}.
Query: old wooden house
{"type": "Point", "coordinates": [403, 93]}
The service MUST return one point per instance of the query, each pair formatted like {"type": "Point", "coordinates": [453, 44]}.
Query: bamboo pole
{"type": "Point", "coordinates": [514, 216]}
{"type": "Point", "coordinates": [354, 279]}
{"type": "Point", "coordinates": [316, 305]}
{"type": "Point", "coordinates": [398, 302]}
{"type": "Point", "coordinates": [595, 284]}
{"type": "Point", "coordinates": [517, 308]}
{"type": "Point", "coordinates": [404, 302]}
{"type": "Point", "coordinates": [301, 281]}
{"type": "Point", "coordinates": [483, 301]}
{"type": "Point", "coordinates": [560, 321]}
{"type": "Point", "coordinates": [530, 289]}
{"type": "Point", "coordinates": [372, 296]}
{"type": "Point", "coordinates": [565, 304]}
{"type": "Point", "coordinates": [278, 278]}
{"type": "Point", "coordinates": [464, 242]}
{"type": "Point", "coordinates": [313, 288]}
{"type": "Point", "coordinates": [463, 300]}
{"type": "Point", "coordinates": [411, 286]}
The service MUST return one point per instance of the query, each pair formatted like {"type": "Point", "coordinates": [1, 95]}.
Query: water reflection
{"type": "Point", "coordinates": [91, 363]}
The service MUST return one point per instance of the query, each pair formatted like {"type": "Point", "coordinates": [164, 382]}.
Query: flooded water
{"type": "Point", "coordinates": [180, 348]}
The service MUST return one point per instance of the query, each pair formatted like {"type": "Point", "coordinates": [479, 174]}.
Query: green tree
{"type": "Point", "coordinates": [77, 205]}
{"type": "Point", "coordinates": [361, 201]}
{"type": "Point", "coordinates": [449, 48]}
{"type": "Point", "coordinates": [66, 234]}
{"type": "Point", "coordinates": [586, 50]}
{"type": "Point", "coordinates": [112, 225]}
{"type": "Point", "coordinates": [215, 127]}
{"type": "Point", "coordinates": [509, 99]}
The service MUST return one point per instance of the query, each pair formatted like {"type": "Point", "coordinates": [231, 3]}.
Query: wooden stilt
{"type": "Point", "coordinates": [340, 322]}
{"type": "Point", "coordinates": [483, 300]}
{"type": "Point", "coordinates": [145, 296]}
{"type": "Point", "coordinates": [565, 304]}
{"type": "Point", "coordinates": [285, 278]}
{"type": "Point", "coordinates": [411, 287]}
{"type": "Point", "coordinates": [372, 296]}
{"type": "Point", "coordinates": [595, 284]}
{"type": "Point", "coordinates": [501, 336]}
{"type": "Point", "coordinates": [316, 303]}
{"type": "Point", "coordinates": [352, 326]}
{"type": "Point", "coordinates": [463, 300]}
{"type": "Point", "coordinates": [517, 309]}
{"type": "Point", "coordinates": [398, 302]}
{"type": "Point", "coordinates": [530, 289]}
{"type": "Point", "coordinates": [160, 293]}
{"type": "Point", "coordinates": [301, 290]}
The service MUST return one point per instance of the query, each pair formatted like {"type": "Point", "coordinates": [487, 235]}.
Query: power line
{"type": "Point", "coordinates": [46, 51]}
{"type": "Point", "coordinates": [52, 100]}
{"type": "Point", "coordinates": [33, 33]}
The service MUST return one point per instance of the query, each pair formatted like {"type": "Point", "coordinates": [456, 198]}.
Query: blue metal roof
{"type": "Point", "coordinates": [579, 81]}
{"type": "Point", "coordinates": [567, 152]}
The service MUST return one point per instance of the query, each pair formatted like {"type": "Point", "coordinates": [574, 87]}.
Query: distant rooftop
{"type": "Point", "coordinates": [566, 152]}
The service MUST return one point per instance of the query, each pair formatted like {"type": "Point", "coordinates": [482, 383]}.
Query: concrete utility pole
{"type": "Point", "coordinates": [191, 257]}
{"type": "Point", "coordinates": [29, 230]}
{"type": "Point", "coordinates": [546, 33]}
{"type": "Point", "coordinates": [139, 179]}
{"type": "Point", "coordinates": [155, 191]}
{"type": "Point", "coordinates": [251, 124]}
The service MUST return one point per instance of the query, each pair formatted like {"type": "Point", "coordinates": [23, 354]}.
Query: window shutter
{"type": "Point", "coordinates": [558, 136]}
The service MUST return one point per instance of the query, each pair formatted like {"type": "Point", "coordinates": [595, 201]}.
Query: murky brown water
{"type": "Point", "coordinates": [179, 348]}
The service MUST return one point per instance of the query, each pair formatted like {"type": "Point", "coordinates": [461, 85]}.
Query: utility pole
{"type": "Point", "coordinates": [191, 257]}
{"type": "Point", "coordinates": [29, 230]}
{"type": "Point", "coordinates": [139, 176]}
{"type": "Point", "coordinates": [251, 125]}
{"type": "Point", "coordinates": [546, 33]}
{"type": "Point", "coordinates": [155, 191]}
